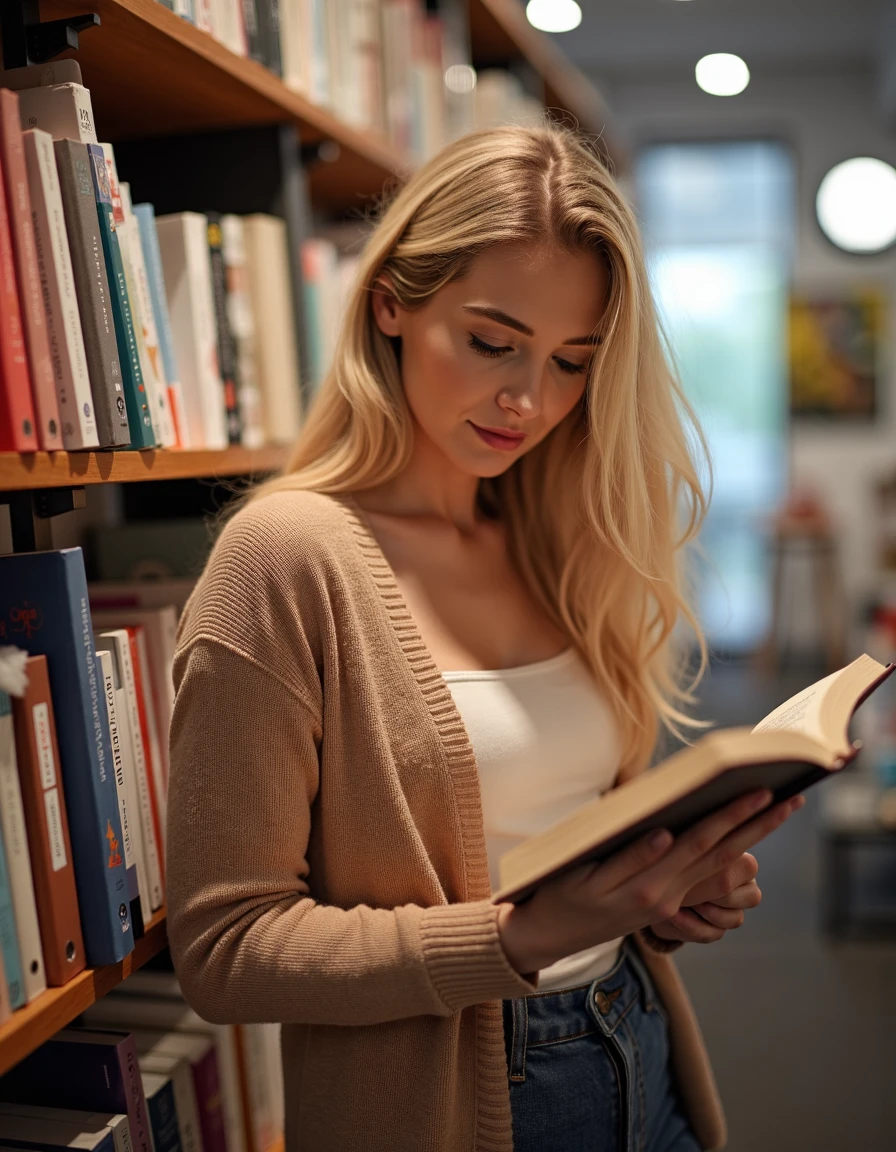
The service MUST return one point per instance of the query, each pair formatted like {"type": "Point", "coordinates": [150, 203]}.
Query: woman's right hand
{"type": "Point", "coordinates": [640, 885]}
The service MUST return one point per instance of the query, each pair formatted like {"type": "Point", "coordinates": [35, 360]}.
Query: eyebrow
{"type": "Point", "coordinates": [508, 321]}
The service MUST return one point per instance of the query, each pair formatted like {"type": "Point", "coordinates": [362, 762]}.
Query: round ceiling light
{"type": "Point", "coordinates": [554, 15]}
{"type": "Point", "coordinates": [722, 74]}
{"type": "Point", "coordinates": [856, 205]}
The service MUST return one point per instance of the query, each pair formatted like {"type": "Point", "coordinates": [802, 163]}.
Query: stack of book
{"type": "Point", "coordinates": [141, 1072]}
{"type": "Point", "coordinates": [119, 329]}
{"type": "Point", "coordinates": [83, 772]}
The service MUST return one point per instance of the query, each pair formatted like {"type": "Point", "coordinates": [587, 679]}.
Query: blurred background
{"type": "Point", "coordinates": [756, 140]}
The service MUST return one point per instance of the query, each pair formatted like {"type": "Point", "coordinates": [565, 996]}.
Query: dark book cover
{"type": "Point", "coordinates": [268, 13]}
{"type": "Point", "coordinates": [46, 821]}
{"type": "Point", "coordinates": [227, 362]}
{"type": "Point", "coordinates": [47, 1134]}
{"type": "Point", "coordinates": [159, 1093]}
{"type": "Point", "coordinates": [253, 33]}
{"type": "Point", "coordinates": [84, 1069]}
{"type": "Point", "coordinates": [139, 416]}
{"type": "Point", "coordinates": [44, 609]}
{"type": "Point", "coordinates": [94, 297]}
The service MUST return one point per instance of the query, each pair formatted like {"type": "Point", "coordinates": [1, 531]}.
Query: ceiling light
{"type": "Point", "coordinates": [554, 15]}
{"type": "Point", "coordinates": [856, 205]}
{"type": "Point", "coordinates": [722, 74]}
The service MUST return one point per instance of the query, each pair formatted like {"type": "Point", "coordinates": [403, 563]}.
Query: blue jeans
{"type": "Point", "coordinates": [589, 1067]}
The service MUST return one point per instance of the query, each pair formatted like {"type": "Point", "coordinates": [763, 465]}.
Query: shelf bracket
{"type": "Point", "coordinates": [26, 40]}
{"type": "Point", "coordinates": [30, 514]}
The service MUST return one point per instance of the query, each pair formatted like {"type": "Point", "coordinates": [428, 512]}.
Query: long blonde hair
{"type": "Point", "coordinates": [593, 511]}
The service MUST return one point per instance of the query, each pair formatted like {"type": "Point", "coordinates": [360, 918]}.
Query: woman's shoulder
{"type": "Point", "coordinates": [273, 522]}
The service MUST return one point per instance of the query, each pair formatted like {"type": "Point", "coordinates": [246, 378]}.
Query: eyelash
{"type": "Point", "coordinates": [490, 350]}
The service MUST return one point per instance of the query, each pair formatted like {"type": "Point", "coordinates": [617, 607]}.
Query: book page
{"type": "Point", "coordinates": [801, 713]}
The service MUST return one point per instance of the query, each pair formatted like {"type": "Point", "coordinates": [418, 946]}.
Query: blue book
{"type": "Point", "coordinates": [9, 943]}
{"type": "Point", "coordinates": [139, 416]}
{"type": "Point", "coordinates": [152, 258]}
{"type": "Point", "coordinates": [163, 1119]}
{"type": "Point", "coordinates": [45, 610]}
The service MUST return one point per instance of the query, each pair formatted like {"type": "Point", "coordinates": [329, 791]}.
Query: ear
{"type": "Point", "coordinates": [387, 312]}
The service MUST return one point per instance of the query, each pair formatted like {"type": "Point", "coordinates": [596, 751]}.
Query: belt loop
{"type": "Point", "coordinates": [520, 1016]}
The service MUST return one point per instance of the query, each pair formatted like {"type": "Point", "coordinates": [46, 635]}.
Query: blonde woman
{"type": "Point", "coordinates": [447, 624]}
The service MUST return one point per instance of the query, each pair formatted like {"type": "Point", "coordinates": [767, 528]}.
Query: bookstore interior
{"type": "Point", "coordinates": [185, 188]}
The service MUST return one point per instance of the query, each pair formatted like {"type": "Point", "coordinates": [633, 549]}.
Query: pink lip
{"type": "Point", "coordinates": [499, 440]}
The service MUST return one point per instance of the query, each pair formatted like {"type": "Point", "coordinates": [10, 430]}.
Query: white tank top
{"type": "Point", "coordinates": [545, 743]}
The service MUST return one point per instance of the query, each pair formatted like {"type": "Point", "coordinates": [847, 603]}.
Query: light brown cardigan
{"type": "Point", "coordinates": [326, 854]}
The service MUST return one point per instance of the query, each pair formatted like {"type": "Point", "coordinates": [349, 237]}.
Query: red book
{"type": "Point", "coordinates": [46, 823]}
{"type": "Point", "coordinates": [18, 432]}
{"type": "Point", "coordinates": [21, 226]}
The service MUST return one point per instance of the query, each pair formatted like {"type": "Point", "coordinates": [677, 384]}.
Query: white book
{"type": "Point", "coordinates": [160, 630]}
{"type": "Point", "coordinates": [125, 781]}
{"type": "Point", "coordinates": [293, 55]}
{"type": "Point", "coordinates": [159, 778]}
{"type": "Point", "coordinates": [141, 306]}
{"type": "Point", "coordinates": [202, 15]}
{"type": "Point", "coordinates": [119, 639]}
{"type": "Point", "coordinates": [63, 110]}
{"type": "Point", "coordinates": [90, 1121]}
{"type": "Point", "coordinates": [186, 267]}
{"type": "Point", "coordinates": [18, 865]}
{"type": "Point", "coordinates": [228, 27]}
{"type": "Point", "coordinates": [242, 325]}
{"type": "Point", "coordinates": [274, 1063]}
{"type": "Point", "coordinates": [267, 1127]}
{"type": "Point", "coordinates": [118, 1009]}
{"type": "Point", "coordinates": [57, 282]}
{"type": "Point", "coordinates": [179, 1071]}
{"type": "Point", "coordinates": [315, 63]}
{"type": "Point", "coordinates": [270, 289]}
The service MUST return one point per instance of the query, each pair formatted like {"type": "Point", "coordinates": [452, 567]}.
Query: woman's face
{"type": "Point", "coordinates": [507, 347]}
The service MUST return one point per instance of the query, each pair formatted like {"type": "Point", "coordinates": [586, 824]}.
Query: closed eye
{"type": "Point", "coordinates": [491, 350]}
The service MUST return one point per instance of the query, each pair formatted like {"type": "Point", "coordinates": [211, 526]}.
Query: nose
{"type": "Point", "coordinates": [524, 396]}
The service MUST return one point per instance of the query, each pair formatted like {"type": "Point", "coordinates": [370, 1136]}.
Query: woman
{"type": "Point", "coordinates": [448, 623]}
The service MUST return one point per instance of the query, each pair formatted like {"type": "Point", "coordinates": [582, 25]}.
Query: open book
{"type": "Point", "coordinates": [803, 741]}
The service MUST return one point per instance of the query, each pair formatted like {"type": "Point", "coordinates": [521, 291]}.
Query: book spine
{"type": "Point", "coordinates": [148, 730]}
{"type": "Point", "coordinates": [64, 111]}
{"type": "Point", "coordinates": [226, 350]}
{"type": "Point", "coordinates": [162, 1115]}
{"type": "Point", "coordinates": [43, 385]}
{"type": "Point", "coordinates": [18, 862]}
{"type": "Point", "coordinates": [46, 822]}
{"type": "Point", "coordinates": [89, 269]}
{"type": "Point", "coordinates": [138, 1117]}
{"type": "Point", "coordinates": [5, 1006]}
{"type": "Point", "coordinates": [207, 1085]}
{"type": "Point", "coordinates": [9, 943]}
{"type": "Point", "coordinates": [79, 429]}
{"type": "Point", "coordinates": [255, 48]}
{"type": "Point", "coordinates": [43, 597]}
{"type": "Point", "coordinates": [127, 832]}
{"type": "Point", "coordinates": [138, 409]}
{"type": "Point", "coordinates": [242, 326]}
{"type": "Point", "coordinates": [149, 822]}
{"type": "Point", "coordinates": [149, 241]}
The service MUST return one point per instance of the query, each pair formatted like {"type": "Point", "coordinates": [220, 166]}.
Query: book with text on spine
{"type": "Point", "coordinates": [800, 743]}
{"type": "Point", "coordinates": [44, 609]}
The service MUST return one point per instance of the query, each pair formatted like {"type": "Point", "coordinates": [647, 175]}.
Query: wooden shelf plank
{"type": "Point", "coordinates": [500, 33]}
{"type": "Point", "coordinates": [151, 73]}
{"type": "Point", "coordinates": [31, 1026]}
{"type": "Point", "coordinates": [21, 471]}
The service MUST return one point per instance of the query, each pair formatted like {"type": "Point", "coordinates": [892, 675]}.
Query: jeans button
{"type": "Point", "coordinates": [604, 1002]}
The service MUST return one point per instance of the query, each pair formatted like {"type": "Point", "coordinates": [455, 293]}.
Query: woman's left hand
{"type": "Point", "coordinates": [715, 905]}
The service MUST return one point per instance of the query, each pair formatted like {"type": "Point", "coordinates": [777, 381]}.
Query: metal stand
{"type": "Point", "coordinates": [28, 41]}
{"type": "Point", "coordinates": [30, 514]}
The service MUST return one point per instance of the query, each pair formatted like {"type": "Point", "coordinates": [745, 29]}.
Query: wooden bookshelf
{"type": "Point", "coordinates": [23, 471]}
{"type": "Point", "coordinates": [31, 1026]}
{"type": "Point", "coordinates": [152, 73]}
{"type": "Point", "coordinates": [500, 34]}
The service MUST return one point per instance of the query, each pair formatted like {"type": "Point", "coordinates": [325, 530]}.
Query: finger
{"type": "Point", "coordinates": [722, 854]}
{"type": "Point", "coordinates": [631, 861]}
{"type": "Point", "coordinates": [694, 929]}
{"type": "Point", "coordinates": [714, 914]}
{"type": "Point", "coordinates": [746, 896]}
{"type": "Point", "coordinates": [697, 842]}
{"type": "Point", "coordinates": [720, 884]}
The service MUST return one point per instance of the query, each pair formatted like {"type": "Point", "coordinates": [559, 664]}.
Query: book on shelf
{"type": "Point", "coordinates": [5, 1005]}
{"type": "Point", "coordinates": [61, 307]}
{"type": "Point", "coordinates": [49, 1134]}
{"type": "Point", "coordinates": [802, 742]}
{"type": "Point", "coordinates": [64, 110]}
{"type": "Point", "coordinates": [186, 268]}
{"type": "Point", "coordinates": [125, 786]}
{"type": "Point", "coordinates": [227, 362]}
{"type": "Point", "coordinates": [87, 1069]}
{"type": "Point", "coordinates": [270, 290]}
{"type": "Point", "coordinates": [116, 1124]}
{"type": "Point", "coordinates": [242, 328]}
{"type": "Point", "coordinates": [177, 1069]}
{"type": "Point", "coordinates": [197, 1051]}
{"type": "Point", "coordinates": [18, 202]}
{"type": "Point", "coordinates": [9, 941]}
{"type": "Point", "coordinates": [18, 860]}
{"type": "Point", "coordinates": [41, 75]}
{"type": "Point", "coordinates": [44, 609]}
{"type": "Point", "coordinates": [143, 433]}
{"type": "Point", "coordinates": [46, 821]}
{"type": "Point", "coordinates": [93, 290]}
{"type": "Point", "coordinates": [118, 644]}
{"type": "Point", "coordinates": [151, 367]}
{"type": "Point", "coordinates": [162, 1110]}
